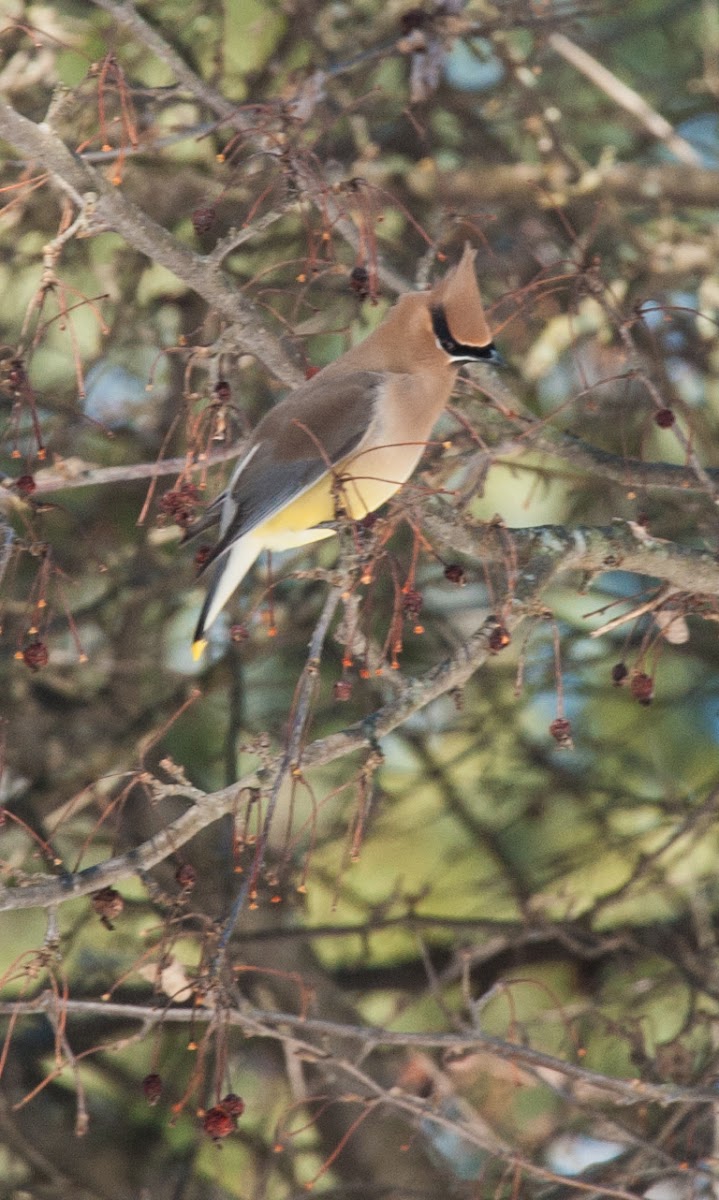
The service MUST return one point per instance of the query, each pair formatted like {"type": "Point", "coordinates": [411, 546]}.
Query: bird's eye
{"type": "Point", "coordinates": [459, 352]}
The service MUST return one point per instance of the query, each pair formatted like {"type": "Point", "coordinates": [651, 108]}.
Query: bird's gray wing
{"type": "Point", "coordinates": [295, 444]}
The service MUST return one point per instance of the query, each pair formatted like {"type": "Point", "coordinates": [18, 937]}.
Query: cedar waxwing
{"type": "Point", "coordinates": [345, 441]}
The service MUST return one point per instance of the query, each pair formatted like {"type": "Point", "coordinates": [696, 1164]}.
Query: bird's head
{"type": "Point", "coordinates": [442, 327]}
{"type": "Point", "coordinates": [458, 322]}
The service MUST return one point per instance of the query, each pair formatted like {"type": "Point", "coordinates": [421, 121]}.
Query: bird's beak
{"type": "Point", "coordinates": [495, 358]}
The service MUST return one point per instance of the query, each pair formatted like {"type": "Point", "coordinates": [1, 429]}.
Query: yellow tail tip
{"type": "Point", "coordinates": [198, 648]}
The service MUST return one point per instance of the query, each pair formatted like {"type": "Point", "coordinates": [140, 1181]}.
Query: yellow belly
{"type": "Point", "coordinates": [356, 487]}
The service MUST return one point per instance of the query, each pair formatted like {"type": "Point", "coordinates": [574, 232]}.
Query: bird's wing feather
{"type": "Point", "coordinates": [294, 445]}
{"type": "Point", "coordinates": [212, 515]}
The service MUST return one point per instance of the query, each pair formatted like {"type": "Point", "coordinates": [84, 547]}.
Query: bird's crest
{"type": "Point", "coordinates": [458, 295]}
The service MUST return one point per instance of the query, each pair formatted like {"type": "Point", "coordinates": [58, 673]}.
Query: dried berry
{"type": "Point", "coordinates": [233, 1104]}
{"type": "Point", "coordinates": [35, 655]}
{"type": "Point", "coordinates": [342, 689]}
{"type": "Point", "coordinates": [664, 418]}
{"type": "Point", "coordinates": [619, 673]}
{"type": "Point", "coordinates": [25, 484]}
{"type": "Point", "coordinates": [152, 1087]}
{"type": "Point", "coordinates": [412, 602]}
{"type": "Point", "coordinates": [499, 639]}
{"type": "Point", "coordinates": [186, 876]}
{"type": "Point", "coordinates": [642, 688]}
{"type": "Point", "coordinates": [17, 376]}
{"type": "Point", "coordinates": [222, 391]}
{"type": "Point", "coordinates": [108, 904]}
{"type": "Point", "coordinates": [179, 503]}
{"type": "Point", "coordinates": [413, 18]}
{"type": "Point", "coordinates": [178, 498]}
{"type": "Point", "coordinates": [202, 554]}
{"type": "Point", "coordinates": [359, 282]}
{"type": "Point", "coordinates": [203, 218]}
{"type": "Point", "coordinates": [218, 1123]}
{"type": "Point", "coordinates": [455, 574]}
{"type": "Point", "coordinates": [561, 731]}
{"type": "Point", "coordinates": [676, 1062]}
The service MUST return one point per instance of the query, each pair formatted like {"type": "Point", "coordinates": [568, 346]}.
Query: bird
{"type": "Point", "coordinates": [343, 442]}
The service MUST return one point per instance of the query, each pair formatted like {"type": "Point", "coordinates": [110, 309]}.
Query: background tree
{"type": "Point", "coordinates": [431, 906]}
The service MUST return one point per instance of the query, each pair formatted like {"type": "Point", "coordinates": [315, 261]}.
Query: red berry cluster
{"type": "Point", "coordinates": [180, 503]}
{"type": "Point", "coordinates": [221, 1120]}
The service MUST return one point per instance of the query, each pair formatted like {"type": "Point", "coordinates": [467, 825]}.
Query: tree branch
{"type": "Point", "coordinates": [107, 207]}
{"type": "Point", "coordinates": [549, 551]}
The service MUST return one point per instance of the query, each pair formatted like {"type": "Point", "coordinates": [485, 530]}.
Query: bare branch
{"type": "Point", "coordinates": [549, 551]}
{"type": "Point", "coordinates": [626, 97]}
{"type": "Point", "coordinates": [112, 210]}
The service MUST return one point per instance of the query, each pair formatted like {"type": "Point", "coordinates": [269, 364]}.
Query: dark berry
{"type": "Point", "coordinates": [561, 731]}
{"type": "Point", "coordinates": [35, 655]}
{"type": "Point", "coordinates": [499, 639]}
{"type": "Point", "coordinates": [203, 219]}
{"type": "Point", "coordinates": [25, 484]}
{"type": "Point", "coordinates": [232, 1104]}
{"type": "Point", "coordinates": [455, 574]}
{"type": "Point", "coordinates": [664, 418]}
{"type": "Point", "coordinates": [619, 673]}
{"type": "Point", "coordinates": [108, 904]}
{"type": "Point", "coordinates": [152, 1087]}
{"type": "Point", "coordinates": [223, 391]}
{"type": "Point", "coordinates": [17, 376]}
{"type": "Point", "coordinates": [201, 556]}
{"type": "Point", "coordinates": [359, 282]}
{"type": "Point", "coordinates": [412, 602]}
{"type": "Point", "coordinates": [642, 688]}
{"type": "Point", "coordinates": [413, 18]}
{"type": "Point", "coordinates": [186, 876]}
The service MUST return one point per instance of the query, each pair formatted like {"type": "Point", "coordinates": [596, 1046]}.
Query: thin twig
{"type": "Point", "coordinates": [626, 98]}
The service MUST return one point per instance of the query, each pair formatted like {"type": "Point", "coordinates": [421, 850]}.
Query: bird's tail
{"type": "Point", "coordinates": [229, 571]}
